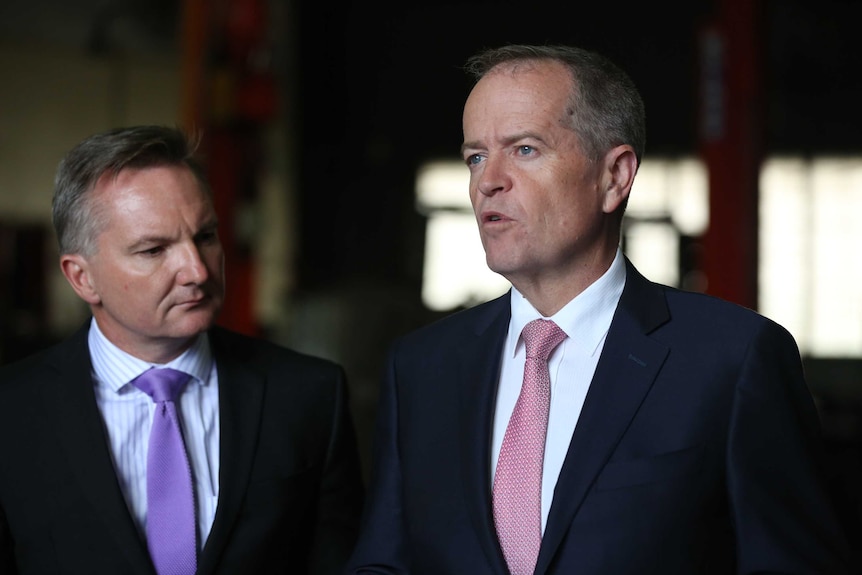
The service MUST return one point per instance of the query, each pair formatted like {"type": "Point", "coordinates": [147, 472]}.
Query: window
{"type": "Point", "coordinates": [810, 271]}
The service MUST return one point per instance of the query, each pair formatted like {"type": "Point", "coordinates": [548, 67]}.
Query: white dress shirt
{"type": "Point", "coordinates": [128, 414]}
{"type": "Point", "coordinates": [586, 320]}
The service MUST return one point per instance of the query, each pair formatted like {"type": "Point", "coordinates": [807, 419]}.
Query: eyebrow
{"type": "Point", "coordinates": [208, 226]}
{"type": "Point", "coordinates": [508, 141]}
{"type": "Point", "coordinates": [469, 145]}
{"type": "Point", "coordinates": [147, 240]}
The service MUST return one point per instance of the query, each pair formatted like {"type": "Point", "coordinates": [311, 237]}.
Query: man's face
{"type": "Point", "coordinates": [156, 279]}
{"type": "Point", "coordinates": [538, 199]}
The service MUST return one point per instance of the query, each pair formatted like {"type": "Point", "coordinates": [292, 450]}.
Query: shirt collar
{"type": "Point", "coordinates": [115, 368]}
{"type": "Point", "coordinates": [585, 319]}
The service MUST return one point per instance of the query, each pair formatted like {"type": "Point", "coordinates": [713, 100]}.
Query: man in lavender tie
{"type": "Point", "coordinates": [153, 442]}
{"type": "Point", "coordinates": [636, 429]}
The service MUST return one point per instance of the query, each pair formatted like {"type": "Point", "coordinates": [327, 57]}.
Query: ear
{"type": "Point", "coordinates": [76, 268]}
{"type": "Point", "coordinates": [620, 167]}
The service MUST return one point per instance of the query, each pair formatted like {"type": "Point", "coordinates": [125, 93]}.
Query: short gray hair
{"type": "Point", "coordinates": [606, 108]}
{"type": "Point", "coordinates": [77, 221]}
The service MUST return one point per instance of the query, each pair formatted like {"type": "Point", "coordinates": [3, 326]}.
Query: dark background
{"type": "Point", "coordinates": [381, 91]}
{"type": "Point", "coordinates": [368, 92]}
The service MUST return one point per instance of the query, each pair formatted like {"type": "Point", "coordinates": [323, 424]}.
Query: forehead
{"type": "Point", "coordinates": [156, 195]}
{"type": "Point", "coordinates": [533, 90]}
{"type": "Point", "coordinates": [155, 182]}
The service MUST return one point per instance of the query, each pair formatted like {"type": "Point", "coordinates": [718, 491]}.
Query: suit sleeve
{"type": "Point", "coordinates": [341, 492]}
{"type": "Point", "coordinates": [783, 515]}
{"type": "Point", "coordinates": [381, 549]}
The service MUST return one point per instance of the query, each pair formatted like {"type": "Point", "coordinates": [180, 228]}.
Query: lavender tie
{"type": "Point", "coordinates": [171, 526]}
{"type": "Point", "coordinates": [518, 480]}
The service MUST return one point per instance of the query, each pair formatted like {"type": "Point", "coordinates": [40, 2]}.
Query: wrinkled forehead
{"type": "Point", "coordinates": [530, 86]}
{"type": "Point", "coordinates": [541, 75]}
{"type": "Point", "coordinates": [110, 181]}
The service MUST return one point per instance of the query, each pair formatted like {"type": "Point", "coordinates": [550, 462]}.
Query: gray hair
{"type": "Point", "coordinates": [77, 220]}
{"type": "Point", "coordinates": [606, 109]}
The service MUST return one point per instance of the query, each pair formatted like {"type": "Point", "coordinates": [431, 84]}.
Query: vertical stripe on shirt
{"type": "Point", "coordinates": [128, 414]}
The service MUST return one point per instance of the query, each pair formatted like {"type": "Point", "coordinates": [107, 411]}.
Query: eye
{"type": "Point", "coordinates": [525, 150]}
{"type": "Point", "coordinates": [153, 251]}
{"type": "Point", "coordinates": [473, 159]}
{"type": "Point", "coordinates": [207, 237]}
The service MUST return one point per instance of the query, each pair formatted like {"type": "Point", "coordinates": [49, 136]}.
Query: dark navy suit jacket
{"type": "Point", "coordinates": [290, 489]}
{"type": "Point", "coordinates": [696, 451]}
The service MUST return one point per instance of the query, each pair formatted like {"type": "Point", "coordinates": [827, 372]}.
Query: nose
{"type": "Point", "coordinates": [192, 269]}
{"type": "Point", "coordinates": [493, 177]}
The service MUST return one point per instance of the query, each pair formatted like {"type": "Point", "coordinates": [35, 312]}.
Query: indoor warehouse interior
{"type": "Point", "coordinates": [331, 135]}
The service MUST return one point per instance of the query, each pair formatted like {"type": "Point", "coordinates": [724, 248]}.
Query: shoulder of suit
{"type": "Point", "coordinates": [475, 319]}
{"type": "Point", "coordinates": [257, 350]}
{"type": "Point", "coordinates": [57, 357]}
{"type": "Point", "coordinates": [701, 306]}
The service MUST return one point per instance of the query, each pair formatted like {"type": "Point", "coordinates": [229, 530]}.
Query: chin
{"type": "Point", "coordinates": [499, 265]}
{"type": "Point", "coordinates": [196, 322]}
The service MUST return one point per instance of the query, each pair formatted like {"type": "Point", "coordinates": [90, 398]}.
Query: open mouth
{"type": "Point", "coordinates": [193, 302]}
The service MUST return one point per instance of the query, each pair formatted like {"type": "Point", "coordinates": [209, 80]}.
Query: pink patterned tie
{"type": "Point", "coordinates": [171, 526]}
{"type": "Point", "coordinates": [518, 479]}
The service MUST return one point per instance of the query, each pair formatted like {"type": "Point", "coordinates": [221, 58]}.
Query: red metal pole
{"type": "Point", "coordinates": [229, 98]}
{"type": "Point", "coordinates": [731, 142]}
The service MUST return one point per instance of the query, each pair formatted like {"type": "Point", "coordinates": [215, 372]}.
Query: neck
{"type": "Point", "coordinates": [159, 350]}
{"type": "Point", "coordinates": [550, 293]}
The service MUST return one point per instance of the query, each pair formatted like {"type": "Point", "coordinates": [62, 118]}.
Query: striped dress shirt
{"type": "Point", "coordinates": [586, 320]}
{"type": "Point", "coordinates": [128, 414]}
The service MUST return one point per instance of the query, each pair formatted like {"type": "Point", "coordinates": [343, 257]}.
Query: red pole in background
{"type": "Point", "coordinates": [194, 38]}
{"type": "Point", "coordinates": [229, 96]}
{"type": "Point", "coordinates": [731, 145]}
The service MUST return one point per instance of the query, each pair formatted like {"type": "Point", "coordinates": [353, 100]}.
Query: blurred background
{"type": "Point", "coordinates": [331, 134]}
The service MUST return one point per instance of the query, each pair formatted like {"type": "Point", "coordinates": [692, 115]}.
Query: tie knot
{"type": "Point", "coordinates": [541, 336]}
{"type": "Point", "coordinates": [161, 384]}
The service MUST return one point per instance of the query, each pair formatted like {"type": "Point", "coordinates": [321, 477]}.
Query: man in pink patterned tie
{"type": "Point", "coordinates": [589, 421]}
{"type": "Point", "coordinates": [153, 442]}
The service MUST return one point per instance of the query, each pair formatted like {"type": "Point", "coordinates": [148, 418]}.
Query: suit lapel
{"type": "Point", "coordinates": [71, 404]}
{"type": "Point", "coordinates": [626, 370]}
{"type": "Point", "coordinates": [478, 364]}
{"type": "Point", "coordinates": [240, 402]}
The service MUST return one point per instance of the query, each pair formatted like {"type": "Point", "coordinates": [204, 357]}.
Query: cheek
{"type": "Point", "coordinates": [217, 260]}
{"type": "Point", "coordinates": [565, 215]}
{"type": "Point", "coordinates": [211, 254]}
{"type": "Point", "coordinates": [473, 193]}
{"type": "Point", "coordinates": [214, 262]}
{"type": "Point", "coordinates": [106, 279]}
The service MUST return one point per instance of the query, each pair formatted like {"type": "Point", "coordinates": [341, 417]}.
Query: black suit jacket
{"type": "Point", "coordinates": [290, 488]}
{"type": "Point", "coordinates": [696, 451]}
